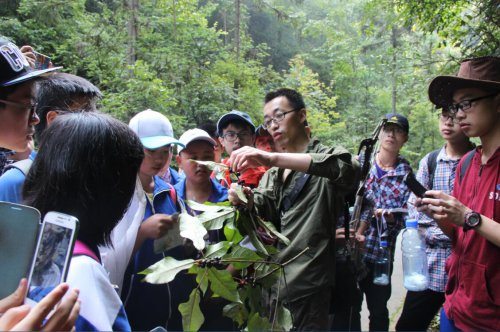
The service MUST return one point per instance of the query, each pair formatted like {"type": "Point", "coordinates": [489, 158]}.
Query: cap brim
{"type": "Point", "coordinates": [30, 75]}
{"type": "Point", "coordinates": [156, 142]}
{"type": "Point", "coordinates": [442, 88]}
{"type": "Point", "coordinates": [199, 138]}
{"type": "Point", "coordinates": [231, 117]}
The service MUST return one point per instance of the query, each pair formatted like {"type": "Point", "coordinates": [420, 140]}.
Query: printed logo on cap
{"type": "Point", "coordinates": [394, 118]}
{"type": "Point", "coordinates": [14, 57]}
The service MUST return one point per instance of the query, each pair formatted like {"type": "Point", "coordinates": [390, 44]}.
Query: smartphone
{"type": "Point", "coordinates": [41, 61]}
{"type": "Point", "coordinates": [52, 256]}
{"type": "Point", "coordinates": [416, 187]}
{"type": "Point", "coordinates": [19, 226]}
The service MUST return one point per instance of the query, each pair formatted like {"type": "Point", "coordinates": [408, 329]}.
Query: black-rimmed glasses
{"type": "Point", "coordinates": [231, 136]}
{"type": "Point", "coordinates": [31, 107]}
{"type": "Point", "coordinates": [466, 104]}
{"type": "Point", "coordinates": [278, 117]}
{"type": "Point", "coordinates": [445, 117]}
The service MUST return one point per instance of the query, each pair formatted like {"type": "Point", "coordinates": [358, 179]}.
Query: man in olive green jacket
{"type": "Point", "coordinates": [309, 220]}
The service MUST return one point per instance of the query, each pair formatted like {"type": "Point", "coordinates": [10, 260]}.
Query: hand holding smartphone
{"type": "Point", "coordinates": [416, 187]}
{"type": "Point", "coordinates": [52, 256]}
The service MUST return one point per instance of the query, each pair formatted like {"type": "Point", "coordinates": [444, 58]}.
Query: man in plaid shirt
{"type": "Point", "coordinates": [385, 190]}
{"type": "Point", "coordinates": [420, 307]}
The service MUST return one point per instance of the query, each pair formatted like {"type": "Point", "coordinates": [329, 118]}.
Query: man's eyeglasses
{"type": "Point", "coordinates": [278, 117]}
{"type": "Point", "coordinates": [466, 104]}
{"type": "Point", "coordinates": [395, 129]}
{"type": "Point", "coordinates": [31, 107]}
{"type": "Point", "coordinates": [231, 136]}
{"type": "Point", "coordinates": [445, 117]}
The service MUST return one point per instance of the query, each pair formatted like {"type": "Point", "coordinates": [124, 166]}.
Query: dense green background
{"type": "Point", "coordinates": [194, 60]}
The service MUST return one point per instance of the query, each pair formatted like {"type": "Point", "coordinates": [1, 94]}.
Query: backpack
{"type": "Point", "coordinates": [432, 162]}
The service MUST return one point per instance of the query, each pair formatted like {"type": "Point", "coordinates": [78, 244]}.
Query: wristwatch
{"type": "Point", "coordinates": [471, 220]}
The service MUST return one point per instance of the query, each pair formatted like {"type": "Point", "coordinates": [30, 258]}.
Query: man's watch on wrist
{"type": "Point", "coordinates": [472, 220]}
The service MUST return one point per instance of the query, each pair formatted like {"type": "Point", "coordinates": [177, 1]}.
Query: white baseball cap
{"type": "Point", "coordinates": [192, 135]}
{"type": "Point", "coordinates": [153, 129]}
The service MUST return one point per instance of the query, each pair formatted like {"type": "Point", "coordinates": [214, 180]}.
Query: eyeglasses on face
{"type": "Point", "coordinates": [231, 136]}
{"type": "Point", "coordinates": [447, 116]}
{"type": "Point", "coordinates": [278, 117]}
{"type": "Point", "coordinates": [395, 129]}
{"type": "Point", "coordinates": [466, 104]}
{"type": "Point", "coordinates": [31, 107]}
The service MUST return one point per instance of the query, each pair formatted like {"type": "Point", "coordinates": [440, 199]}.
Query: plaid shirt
{"type": "Point", "coordinates": [387, 192]}
{"type": "Point", "coordinates": [438, 245]}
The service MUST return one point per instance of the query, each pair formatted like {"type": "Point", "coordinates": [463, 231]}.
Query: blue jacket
{"type": "Point", "coordinates": [148, 305]}
{"type": "Point", "coordinates": [11, 184]}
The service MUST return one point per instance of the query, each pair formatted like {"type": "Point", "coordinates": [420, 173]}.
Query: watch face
{"type": "Point", "coordinates": [472, 219]}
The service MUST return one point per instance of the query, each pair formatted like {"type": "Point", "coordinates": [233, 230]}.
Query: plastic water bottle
{"type": "Point", "coordinates": [414, 258]}
{"type": "Point", "coordinates": [381, 269]}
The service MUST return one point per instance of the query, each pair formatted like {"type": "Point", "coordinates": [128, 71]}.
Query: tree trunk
{"type": "Point", "coordinates": [394, 68]}
{"type": "Point", "coordinates": [237, 30]}
{"type": "Point", "coordinates": [132, 31]}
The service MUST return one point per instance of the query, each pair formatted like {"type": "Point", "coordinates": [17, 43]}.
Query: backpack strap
{"type": "Point", "coordinates": [22, 165]}
{"type": "Point", "coordinates": [465, 164]}
{"type": "Point", "coordinates": [431, 165]}
{"type": "Point", "coordinates": [290, 199]}
{"type": "Point", "coordinates": [82, 249]}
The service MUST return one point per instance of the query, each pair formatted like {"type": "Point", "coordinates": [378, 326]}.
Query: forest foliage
{"type": "Point", "coordinates": [194, 60]}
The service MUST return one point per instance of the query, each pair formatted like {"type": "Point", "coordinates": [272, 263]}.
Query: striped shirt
{"type": "Point", "coordinates": [438, 245]}
{"type": "Point", "coordinates": [386, 192]}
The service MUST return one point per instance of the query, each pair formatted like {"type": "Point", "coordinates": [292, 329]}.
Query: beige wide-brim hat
{"type": "Point", "coordinates": [482, 73]}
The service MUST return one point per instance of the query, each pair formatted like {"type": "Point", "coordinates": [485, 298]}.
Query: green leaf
{"type": "Point", "coordinates": [239, 252]}
{"type": "Point", "coordinates": [253, 298]}
{"type": "Point", "coordinates": [237, 312]}
{"type": "Point", "coordinates": [192, 228]}
{"type": "Point", "coordinates": [218, 249]}
{"type": "Point", "coordinates": [206, 207]}
{"type": "Point", "coordinates": [241, 194]}
{"type": "Point", "coordinates": [192, 317]}
{"type": "Point", "coordinates": [216, 220]}
{"type": "Point", "coordinates": [211, 165]}
{"type": "Point", "coordinates": [222, 284]}
{"type": "Point", "coordinates": [232, 234]}
{"type": "Point", "coordinates": [258, 323]}
{"type": "Point", "coordinates": [202, 279]}
{"type": "Point", "coordinates": [269, 228]}
{"type": "Point", "coordinates": [284, 318]}
{"type": "Point", "coordinates": [165, 270]}
{"type": "Point", "coordinates": [269, 280]}
{"type": "Point", "coordinates": [246, 223]}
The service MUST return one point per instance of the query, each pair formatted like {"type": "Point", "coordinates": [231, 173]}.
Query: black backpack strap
{"type": "Point", "coordinates": [465, 164]}
{"type": "Point", "coordinates": [431, 165]}
{"type": "Point", "coordinates": [289, 199]}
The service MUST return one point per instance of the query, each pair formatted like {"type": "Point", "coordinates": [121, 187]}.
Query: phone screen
{"type": "Point", "coordinates": [53, 253]}
{"type": "Point", "coordinates": [41, 61]}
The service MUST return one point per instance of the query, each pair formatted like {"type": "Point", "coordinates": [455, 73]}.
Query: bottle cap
{"type": "Point", "coordinates": [411, 223]}
{"type": "Point", "coordinates": [383, 243]}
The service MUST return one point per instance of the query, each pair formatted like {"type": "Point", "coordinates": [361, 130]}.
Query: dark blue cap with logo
{"type": "Point", "coordinates": [234, 115]}
{"type": "Point", "coordinates": [14, 68]}
{"type": "Point", "coordinates": [399, 120]}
